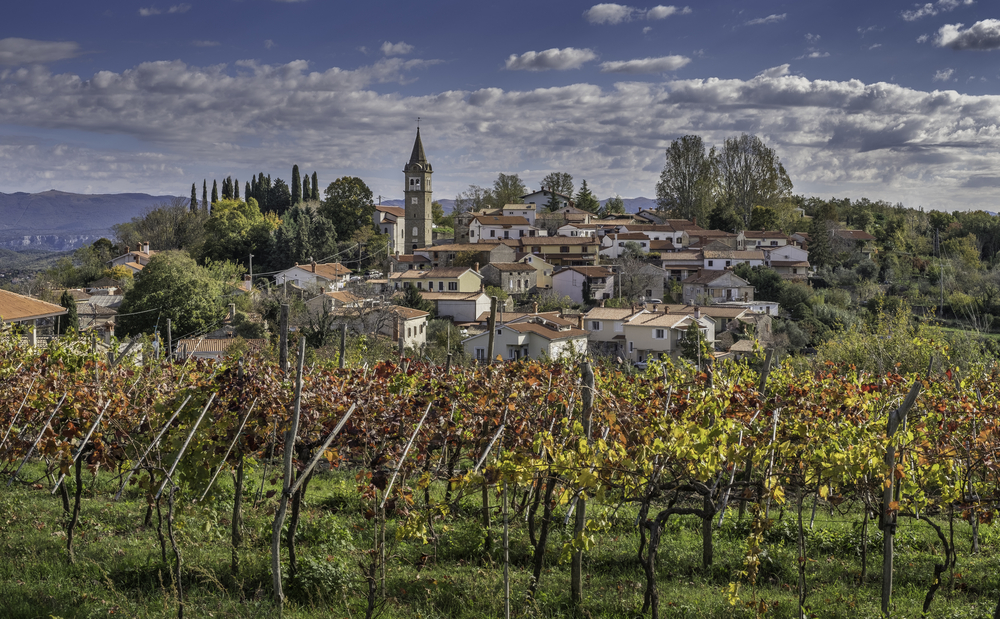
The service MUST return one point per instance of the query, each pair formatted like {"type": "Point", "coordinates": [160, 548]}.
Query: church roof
{"type": "Point", "coordinates": [418, 156]}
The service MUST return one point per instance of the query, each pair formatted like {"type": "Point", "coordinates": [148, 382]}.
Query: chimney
{"type": "Point", "coordinates": [579, 321]}
{"type": "Point", "coordinates": [127, 249]}
{"type": "Point", "coordinates": [654, 308]}
{"type": "Point", "coordinates": [697, 312]}
{"type": "Point", "coordinates": [232, 313]}
{"type": "Point", "coordinates": [536, 307]}
{"type": "Point", "coordinates": [145, 247]}
{"type": "Point", "coordinates": [602, 303]}
{"type": "Point", "coordinates": [694, 220]}
{"type": "Point", "coordinates": [476, 267]}
{"type": "Point", "coordinates": [313, 265]}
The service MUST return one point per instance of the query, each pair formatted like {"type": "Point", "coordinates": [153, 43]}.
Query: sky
{"type": "Point", "coordinates": [897, 101]}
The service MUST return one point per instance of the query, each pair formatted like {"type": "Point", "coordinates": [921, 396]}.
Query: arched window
{"type": "Point", "coordinates": [414, 231]}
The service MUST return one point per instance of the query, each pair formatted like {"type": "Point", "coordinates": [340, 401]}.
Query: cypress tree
{"type": "Point", "coordinates": [246, 191]}
{"type": "Point", "coordinates": [236, 189]}
{"type": "Point", "coordinates": [315, 194]}
{"type": "Point", "coordinates": [306, 191]}
{"type": "Point", "coordinates": [296, 186]}
{"type": "Point", "coordinates": [204, 195]}
{"type": "Point", "coordinates": [194, 198]}
{"type": "Point", "coordinates": [215, 191]}
{"type": "Point", "coordinates": [70, 320]}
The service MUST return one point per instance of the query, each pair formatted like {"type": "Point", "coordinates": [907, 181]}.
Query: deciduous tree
{"type": "Point", "coordinates": [751, 174]}
{"type": "Point", "coordinates": [688, 181]}
{"type": "Point", "coordinates": [507, 189]}
{"type": "Point", "coordinates": [559, 182]}
{"type": "Point", "coordinates": [613, 206]}
{"type": "Point", "coordinates": [348, 203]}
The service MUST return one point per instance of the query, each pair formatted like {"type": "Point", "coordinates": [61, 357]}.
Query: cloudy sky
{"type": "Point", "coordinates": [891, 100]}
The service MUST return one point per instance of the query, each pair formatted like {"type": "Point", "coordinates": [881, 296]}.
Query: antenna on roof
{"type": "Point", "coordinates": [418, 122]}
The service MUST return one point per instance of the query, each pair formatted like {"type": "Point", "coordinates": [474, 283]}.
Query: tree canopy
{"type": "Point", "coordinates": [507, 189]}
{"type": "Point", "coordinates": [586, 200]}
{"type": "Point", "coordinates": [688, 181]}
{"type": "Point", "coordinates": [750, 174]}
{"type": "Point", "coordinates": [559, 182]}
{"type": "Point", "coordinates": [237, 229]}
{"type": "Point", "coordinates": [348, 203]}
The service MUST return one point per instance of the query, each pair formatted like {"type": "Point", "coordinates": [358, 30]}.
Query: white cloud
{"type": "Point", "coordinates": [864, 31]}
{"type": "Point", "coordinates": [611, 13]}
{"type": "Point", "coordinates": [773, 72]}
{"type": "Point", "coordinates": [933, 8]}
{"type": "Point", "coordinates": [770, 19]}
{"type": "Point", "coordinates": [875, 46]}
{"type": "Point", "coordinates": [268, 43]}
{"type": "Point", "coordinates": [17, 52]}
{"type": "Point", "coordinates": [943, 75]}
{"type": "Point", "coordinates": [559, 59]}
{"type": "Point", "coordinates": [177, 8]}
{"type": "Point", "coordinates": [815, 54]}
{"type": "Point", "coordinates": [396, 49]}
{"type": "Point", "coordinates": [877, 140]}
{"type": "Point", "coordinates": [205, 43]}
{"type": "Point", "coordinates": [923, 38]}
{"type": "Point", "coordinates": [983, 35]}
{"type": "Point", "coordinates": [663, 64]}
{"type": "Point", "coordinates": [647, 29]}
{"type": "Point", "coordinates": [812, 38]}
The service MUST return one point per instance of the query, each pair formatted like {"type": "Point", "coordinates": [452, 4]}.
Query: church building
{"type": "Point", "coordinates": [418, 220]}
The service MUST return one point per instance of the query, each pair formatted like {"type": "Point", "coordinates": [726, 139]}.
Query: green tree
{"type": "Point", "coordinates": [751, 174]}
{"type": "Point", "coordinates": [236, 189]}
{"type": "Point", "coordinates": [246, 191]}
{"type": "Point", "coordinates": [169, 225]}
{"type": "Point", "coordinates": [613, 206]}
{"type": "Point", "coordinates": [559, 182]}
{"type": "Point", "coordinates": [585, 200]}
{"type": "Point", "coordinates": [69, 322]}
{"type": "Point", "coordinates": [237, 229]}
{"type": "Point", "coordinates": [553, 204]}
{"type": "Point", "coordinates": [414, 300]}
{"type": "Point", "coordinates": [437, 212]}
{"type": "Point", "coordinates": [473, 200]}
{"type": "Point", "coordinates": [820, 248]}
{"type": "Point", "coordinates": [315, 188]}
{"type": "Point", "coordinates": [349, 205]}
{"type": "Point", "coordinates": [204, 196]}
{"type": "Point", "coordinates": [507, 189]}
{"type": "Point", "coordinates": [499, 293]}
{"type": "Point", "coordinates": [194, 198]}
{"type": "Point", "coordinates": [306, 189]}
{"type": "Point", "coordinates": [303, 234]}
{"type": "Point", "coordinates": [465, 259]}
{"type": "Point", "coordinates": [767, 283]}
{"type": "Point", "coordinates": [279, 197]}
{"type": "Point", "coordinates": [296, 196]}
{"type": "Point", "coordinates": [172, 286]}
{"type": "Point", "coordinates": [764, 218]}
{"type": "Point", "coordinates": [694, 346]}
{"type": "Point", "coordinates": [689, 179]}
{"type": "Point", "coordinates": [215, 192]}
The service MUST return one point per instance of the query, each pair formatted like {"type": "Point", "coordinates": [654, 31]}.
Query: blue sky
{"type": "Point", "coordinates": [888, 100]}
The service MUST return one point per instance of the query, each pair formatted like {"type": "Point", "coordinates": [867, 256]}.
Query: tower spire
{"type": "Point", "coordinates": [418, 156]}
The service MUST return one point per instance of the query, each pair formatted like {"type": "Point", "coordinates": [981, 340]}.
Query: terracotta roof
{"type": "Point", "coordinates": [712, 311]}
{"type": "Point", "coordinates": [512, 267]}
{"type": "Point", "coordinates": [713, 233]}
{"type": "Point", "coordinates": [329, 271]}
{"type": "Point", "coordinates": [668, 320]}
{"type": "Point", "coordinates": [549, 334]}
{"type": "Point", "coordinates": [854, 235]}
{"type": "Point", "coordinates": [765, 234]}
{"type": "Point", "coordinates": [742, 346]}
{"type": "Point", "coordinates": [407, 313]}
{"type": "Point", "coordinates": [750, 254]}
{"type": "Point", "coordinates": [502, 220]}
{"type": "Point", "coordinates": [588, 271]}
{"type": "Point", "coordinates": [558, 240]}
{"type": "Point", "coordinates": [412, 258]}
{"type": "Point", "coordinates": [451, 296]}
{"type": "Point", "coordinates": [133, 265]}
{"type": "Point", "coordinates": [609, 313]}
{"type": "Point", "coordinates": [342, 296]}
{"type": "Point", "coordinates": [516, 316]}
{"type": "Point", "coordinates": [522, 207]}
{"type": "Point", "coordinates": [651, 228]}
{"type": "Point", "coordinates": [460, 247]}
{"type": "Point", "coordinates": [628, 236]}
{"type": "Point", "coordinates": [789, 263]}
{"type": "Point", "coordinates": [395, 211]}
{"type": "Point", "coordinates": [681, 256]}
{"type": "Point", "coordinates": [446, 272]}
{"type": "Point", "coordinates": [707, 276]}
{"type": "Point", "coordinates": [93, 309]}
{"type": "Point", "coordinates": [15, 308]}
{"type": "Point", "coordinates": [77, 294]}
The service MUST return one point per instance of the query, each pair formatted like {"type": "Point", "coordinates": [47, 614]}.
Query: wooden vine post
{"type": "Point", "coordinates": [283, 338]}
{"type": "Point", "coordinates": [492, 323]}
{"type": "Point", "coordinates": [286, 483]}
{"type": "Point", "coordinates": [887, 521]}
{"type": "Point", "coordinates": [587, 397]}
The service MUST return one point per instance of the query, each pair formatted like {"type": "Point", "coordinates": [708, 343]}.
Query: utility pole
{"type": "Point", "coordinates": [170, 343]}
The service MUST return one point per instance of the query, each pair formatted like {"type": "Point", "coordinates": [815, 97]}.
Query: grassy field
{"type": "Point", "coordinates": [120, 569]}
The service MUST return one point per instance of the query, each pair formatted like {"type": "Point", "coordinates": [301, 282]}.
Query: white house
{"type": "Point", "coordinates": [389, 221]}
{"type": "Point", "coordinates": [495, 227]}
{"type": "Point", "coordinates": [458, 306]}
{"type": "Point", "coordinates": [543, 196]}
{"type": "Point", "coordinates": [528, 211]}
{"type": "Point", "coordinates": [331, 276]}
{"type": "Point", "coordinates": [656, 334]}
{"type": "Point", "coordinates": [790, 261]}
{"type": "Point", "coordinates": [578, 229]}
{"type": "Point", "coordinates": [534, 338]}
{"type": "Point", "coordinates": [574, 281]}
{"type": "Point", "coordinates": [134, 259]}
{"type": "Point", "coordinates": [718, 260]}
{"type": "Point", "coordinates": [613, 244]}
{"type": "Point", "coordinates": [762, 239]}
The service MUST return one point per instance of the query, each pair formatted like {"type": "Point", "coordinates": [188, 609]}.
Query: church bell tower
{"type": "Point", "coordinates": [418, 219]}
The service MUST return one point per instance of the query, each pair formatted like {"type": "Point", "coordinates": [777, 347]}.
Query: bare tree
{"type": "Point", "coordinates": [750, 174]}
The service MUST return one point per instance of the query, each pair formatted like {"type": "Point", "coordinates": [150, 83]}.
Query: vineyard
{"type": "Point", "coordinates": [527, 489]}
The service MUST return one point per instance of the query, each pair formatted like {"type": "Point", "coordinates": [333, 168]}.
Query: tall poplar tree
{"type": "Point", "coordinates": [194, 198]}
{"type": "Point", "coordinates": [296, 186]}
{"type": "Point", "coordinates": [315, 192]}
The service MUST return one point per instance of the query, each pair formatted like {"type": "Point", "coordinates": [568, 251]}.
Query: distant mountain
{"type": "Point", "coordinates": [64, 221]}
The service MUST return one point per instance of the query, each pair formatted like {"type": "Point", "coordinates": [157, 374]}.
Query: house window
{"type": "Point", "coordinates": [452, 286]}
{"type": "Point", "coordinates": [658, 334]}
{"type": "Point", "coordinates": [649, 292]}
{"type": "Point", "coordinates": [728, 262]}
{"type": "Point", "coordinates": [493, 233]}
{"type": "Point", "coordinates": [472, 234]}
{"type": "Point", "coordinates": [506, 234]}
{"type": "Point", "coordinates": [419, 285]}
{"type": "Point", "coordinates": [536, 250]}
{"type": "Point", "coordinates": [480, 354]}
{"type": "Point", "coordinates": [774, 243]}
{"type": "Point", "coordinates": [595, 325]}
{"type": "Point", "coordinates": [711, 262]}
{"type": "Point", "coordinates": [414, 183]}
{"type": "Point", "coordinates": [408, 332]}
{"type": "Point", "coordinates": [631, 346]}
{"type": "Point", "coordinates": [564, 250]}
{"type": "Point", "coordinates": [519, 284]}
{"type": "Point", "coordinates": [441, 285]}
{"type": "Point", "coordinates": [498, 331]}
{"type": "Point", "coordinates": [619, 327]}
{"type": "Point", "coordinates": [385, 231]}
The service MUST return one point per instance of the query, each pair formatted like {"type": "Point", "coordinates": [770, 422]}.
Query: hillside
{"type": "Point", "coordinates": [57, 220]}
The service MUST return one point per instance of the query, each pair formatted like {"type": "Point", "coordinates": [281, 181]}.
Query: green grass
{"type": "Point", "coordinates": [120, 572]}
